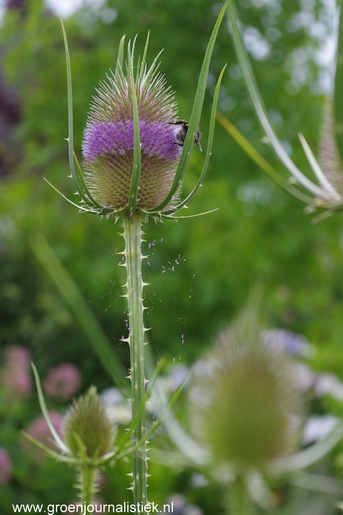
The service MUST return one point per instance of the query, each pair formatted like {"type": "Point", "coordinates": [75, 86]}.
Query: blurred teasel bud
{"type": "Point", "coordinates": [87, 425]}
{"type": "Point", "coordinates": [88, 436]}
{"type": "Point", "coordinates": [245, 405]}
{"type": "Point", "coordinates": [108, 144]}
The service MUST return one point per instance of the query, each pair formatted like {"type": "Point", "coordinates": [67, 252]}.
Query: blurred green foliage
{"type": "Point", "coordinates": [200, 270]}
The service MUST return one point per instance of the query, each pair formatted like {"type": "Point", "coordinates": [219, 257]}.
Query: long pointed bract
{"type": "Point", "coordinates": [45, 412]}
{"type": "Point", "coordinates": [195, 116]}
{"type": "Point", "coordinates": [208, 148]}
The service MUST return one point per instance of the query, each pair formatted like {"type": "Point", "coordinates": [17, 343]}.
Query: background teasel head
{"type": "Point", "coordinates": [245, 405]}
{"type": "Point", "coordinates": [135, 151]}
{"type": "Point", "coordinates": [87, 424]}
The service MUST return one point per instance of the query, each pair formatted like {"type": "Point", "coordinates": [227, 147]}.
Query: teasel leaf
{"type": "Point", "coordinates": [137, 161]}
{"type": "Point", "coordinates": [70, 139]}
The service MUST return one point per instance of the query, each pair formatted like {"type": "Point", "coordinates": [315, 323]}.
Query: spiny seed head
{"type": "Point", "coordinates": [245, 404]}
{"type": "Point", "coordinates": [87, 422]}
{"type": "Point", "coordinates": [109, 138]}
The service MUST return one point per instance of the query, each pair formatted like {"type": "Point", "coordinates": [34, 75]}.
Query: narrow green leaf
{"type": "Point", "coordinates": [187, 446]}
{"type": "Point", "coordinates": [317, 483]}
{"type": "Point", "coordinates": [261, 162]}
{"type": "Point", "coordinates": [137, 162]}
{"type": "Point", "coordinates": [309, 456]}
{"type": "Point", "coordinates": [70, 118]}
{"type": "Point", "coordinates": [49, 452]}
{"type": "Point", "coordinates": [260, 109]}
{"type": "Point", "coordinates": [91, 202]}
{"type": "Point", "coordinates": [73, 297]}
{"type": "Point", "coordinates": [81, 208]}
{"type": "Point", "coordinates": [159, 421]}
{"type": "Point", "coordinates": [195, 116]}
{"type": "Point", "coordinates": [208, 149]}
{"type": "Point", "coordinates": [190, 216]}
{"type": "Point", "coordinates": [45, 412]}
{"type": "Point", "coordinates": [338, 97]}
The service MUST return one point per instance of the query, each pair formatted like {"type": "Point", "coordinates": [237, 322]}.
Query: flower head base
{"type": "Point", "coordinates": [108, 145]}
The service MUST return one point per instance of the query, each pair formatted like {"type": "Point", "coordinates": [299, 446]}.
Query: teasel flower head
{"type": "Point", "coordinates": [245, 404]}
{"type": "Point", "coordinates": [87, 425]}
{"type": "Point", "coordinates": [108, 144]}
{"type": "Point", "coordinates": [135, 150]}
{"type": "Point", "coordinates": [87, 434]}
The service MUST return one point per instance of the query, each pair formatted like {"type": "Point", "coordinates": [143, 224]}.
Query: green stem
{"type": "Point", "coordinates": [133, 253]}
{"type": "Point", "coordinates": [87, 484]}
{"type": "Point", "coordinates": [239, 502]}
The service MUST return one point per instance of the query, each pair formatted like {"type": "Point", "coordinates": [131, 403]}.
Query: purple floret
{"type": "Point", "coordinates": [157, 139]}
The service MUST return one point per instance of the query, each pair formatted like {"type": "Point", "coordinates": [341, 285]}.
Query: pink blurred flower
{"type": "Point", "coordinates": [16, 355]}
{"type": "Point", "coordinates": [38, 428]}
{"type": "Point", "coordinates": [5, 466]}
{"type": "Point", "coordinates": [63, 381]}
{"type": "Point", "coordinates": [16, 374]}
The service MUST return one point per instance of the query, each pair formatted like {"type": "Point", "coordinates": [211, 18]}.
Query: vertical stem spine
{"type": "Point", "coordinates": [133, 253]}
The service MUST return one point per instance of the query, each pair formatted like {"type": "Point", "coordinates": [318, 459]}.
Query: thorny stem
{"type": "Point", "coordinates": [87, 474]}
{"type": "Point", "coordinates": [239, 502]}
{"type": "Point", "coordinates": [133, 254]}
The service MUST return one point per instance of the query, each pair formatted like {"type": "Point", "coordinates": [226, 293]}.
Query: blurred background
{"type": "Point", "coordinates": [200, 270]}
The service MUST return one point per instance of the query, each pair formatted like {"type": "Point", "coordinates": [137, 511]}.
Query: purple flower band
{"type": "Point", "coordinates": [157, 139]}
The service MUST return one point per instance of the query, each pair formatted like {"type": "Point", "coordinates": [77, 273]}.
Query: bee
{"type": "Point", "coordinates": [180, 132]}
